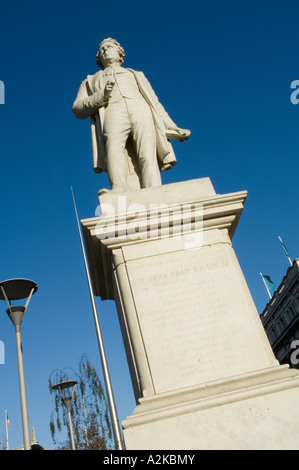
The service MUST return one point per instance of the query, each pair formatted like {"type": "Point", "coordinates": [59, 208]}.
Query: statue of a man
{"type": "Point", "coordinates": [130, 128]}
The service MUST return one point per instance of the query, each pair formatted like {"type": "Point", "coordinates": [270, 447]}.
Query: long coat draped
{"type": "Point", "coordinates": [89, 103]}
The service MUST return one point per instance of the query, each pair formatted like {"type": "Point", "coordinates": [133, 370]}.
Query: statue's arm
{"type": "Point", "coordinates": [168, 122]}
{"type": "Point", "coordinates": [86, 105]}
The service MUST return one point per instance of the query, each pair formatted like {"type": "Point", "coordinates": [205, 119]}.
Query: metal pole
{"type": "Point", "coordinates": [24, 407]}
{"type": "Point", "coordinates": [67, 403]}
{"type": "Point", "coordinates": [111, 402]}
{"type": "Point", "coordinates": [6, 427]}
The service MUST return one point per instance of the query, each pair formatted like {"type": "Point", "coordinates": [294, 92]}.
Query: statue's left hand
{"type": "Point", "coordinates": [185, 133]}
{"type": "Point", "coordinates": [178, 133]}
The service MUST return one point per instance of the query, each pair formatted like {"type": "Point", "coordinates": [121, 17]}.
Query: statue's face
{"type": "Point", "coordinates": [109, 54]}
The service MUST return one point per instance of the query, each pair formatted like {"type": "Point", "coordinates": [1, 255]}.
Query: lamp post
{"type": "Point", "coordinates": [15, 289]}
{"type": "Point", "coordinates": [67, 400]}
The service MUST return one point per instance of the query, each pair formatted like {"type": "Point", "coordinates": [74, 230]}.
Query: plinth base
{"type": "Point", "coordinates": [255, 411]}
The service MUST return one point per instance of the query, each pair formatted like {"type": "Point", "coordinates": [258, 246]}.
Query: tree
{"type": "Point", "coordinates": [90, 416]}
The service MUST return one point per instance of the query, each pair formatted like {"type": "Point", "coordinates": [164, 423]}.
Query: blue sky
{"type": "Point", "coordinates": [221, 69]}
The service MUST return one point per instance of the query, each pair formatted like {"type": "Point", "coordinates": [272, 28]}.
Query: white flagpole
{"type": "Point", "coordinates": [7, 446]}
{"type": "Point", "coordinates": [266, 286]}
{"type": "Point", "coordinates": [119, 445]}
{"type": "Point", "coordinates": [286, 252]}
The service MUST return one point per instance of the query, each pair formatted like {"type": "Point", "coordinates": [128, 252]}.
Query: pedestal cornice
{"type": "Point", "coordinates": [126, 221]}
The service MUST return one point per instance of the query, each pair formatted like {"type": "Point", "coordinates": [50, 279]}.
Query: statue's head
{"type": "Point", "coordinates": [121, 52]}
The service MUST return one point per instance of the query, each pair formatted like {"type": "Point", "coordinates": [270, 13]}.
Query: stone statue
{"type": "Point", "coordinates": [130, 128]}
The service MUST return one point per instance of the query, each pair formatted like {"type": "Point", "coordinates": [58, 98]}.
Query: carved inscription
{"type": "Point", "coordinates": [193, 316]}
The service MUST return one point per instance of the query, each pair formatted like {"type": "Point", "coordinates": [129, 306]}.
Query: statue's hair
{"type": "Point", "coordinates": [120, 51]}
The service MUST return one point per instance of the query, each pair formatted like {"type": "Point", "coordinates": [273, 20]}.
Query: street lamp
{"type": "Point", "coordinates": [15, 289]}
{"type": "Point", "coordinates": [67, 400]}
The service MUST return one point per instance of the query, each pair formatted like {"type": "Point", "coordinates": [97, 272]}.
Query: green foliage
{"type": "Point", "coordinates": [90, 417]}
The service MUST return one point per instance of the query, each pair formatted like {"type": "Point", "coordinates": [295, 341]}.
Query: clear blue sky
{"type": "Point", "coordinates": [222, 69]}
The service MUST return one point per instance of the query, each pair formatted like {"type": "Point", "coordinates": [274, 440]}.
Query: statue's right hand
{"type": "Point", "coordinates": [108, 88]}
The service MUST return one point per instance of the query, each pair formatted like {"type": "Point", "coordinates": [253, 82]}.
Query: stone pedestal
{"type": "Point", "coordinates": [203, 371]}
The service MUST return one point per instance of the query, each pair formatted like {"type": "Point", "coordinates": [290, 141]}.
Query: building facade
{"type": "Point", "coordinates": [281, 318]}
